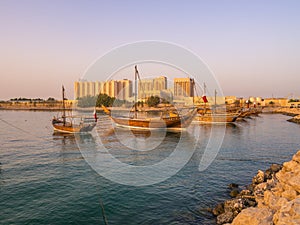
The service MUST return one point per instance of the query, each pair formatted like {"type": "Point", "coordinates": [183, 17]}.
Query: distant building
{"type": "Point", "coordinates": [151, 87]}
{"type": "Point", "coordinates": [281, 102]}
{"type": "Point", "coordinates": [121, 89]}
{"type": "Point", "coordinates": [184, 87]}
{"type": "Point", "coordinates": [124, 89]}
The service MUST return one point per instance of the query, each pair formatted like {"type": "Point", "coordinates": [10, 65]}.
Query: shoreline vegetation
{"type": "Point", "coordinates": [273, 198]}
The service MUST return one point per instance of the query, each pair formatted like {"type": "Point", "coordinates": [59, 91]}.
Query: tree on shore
{"type": "Point", "coordinates": [22, 99]}
{"type": "Point", "coordinates": [87, 101]}
{"type": "Point", "coordinates": [101, 99]}
{"type": "Point", "coordinates": [294, 100]}
{"type": "Point", "coordinates": [50, 99]}
{"type": "Point", "coordinates": [153, 101]}
{"type": "Point", "coordinates": [271, 103]}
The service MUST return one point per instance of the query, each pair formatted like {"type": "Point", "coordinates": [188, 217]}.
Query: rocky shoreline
{"type": "Point", "coordinates": [294, 112]}
{"type": "Point", "coordinates": [288, 111]}
{"type": "Point", "coordinates": [295, 119]}
{"type": "Point", "coordinates": [273, 198]}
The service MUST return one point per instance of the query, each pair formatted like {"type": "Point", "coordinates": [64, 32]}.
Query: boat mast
{"type": "Point", "coordinates": [135, 91]}
{"type": "Point", "coordinates": [194, 90]}
{"type": "Point", "coordinates": [215, 97]}
{"type": "Point", "coordinates": [64, 109]}
{"type": "Point", "coordinates": [204, 93]}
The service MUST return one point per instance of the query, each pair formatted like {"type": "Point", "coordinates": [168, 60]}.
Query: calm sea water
{"type": "Point", "coordinates": [44, 179]}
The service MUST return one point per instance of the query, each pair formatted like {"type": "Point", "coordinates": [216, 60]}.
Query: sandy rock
{"type": "Point", "coordinates": [219, 209]}
{"type": "Point", "coordinates": [289, 194]}
{"type": "Point", "coordinates": [275, 168]}
{"type": "Point", "coordinates": [233, 186]}
{"type": "Point", "coordinates": [278, 189]}
{"type": "Point", "coordinates": [245, 192]}
{"type": "Point", "coordinates": [259, 178]}
{"type": "Point", "coordinates": [274, 202]}
{"type": "Point", "coordinates": [294, 182]}
{"type": "Point", "coordinates": [234, 205]}
{"type": "Point", "coordinates": [234, 193]}
{"type": "Point", "coordinates": [290, 166]}
{"type": "Point", "coordinates": [226, 217]}
{"type": "Point", "coordinates": [260, 189]}
{"type": "Point", "coordinates": [284, 177]}
{"type": "Point", "coordinates": [296, 157]}
{"type": "Point", "coordinates": [271, 183]}
{"type": "Point", "coordinates": [288, 214]}
{"type": "Point", "coordinates": [250, 202]}
{"type": "Point", "coordinates": [269, 174]}
{"type": "Point", "coordinates": [275, 193]}
{"type": "Point", "coordinates": [254, 216]}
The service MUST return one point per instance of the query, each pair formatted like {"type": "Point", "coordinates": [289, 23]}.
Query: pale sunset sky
{"type": "Point", "coordinates": [253, 47]}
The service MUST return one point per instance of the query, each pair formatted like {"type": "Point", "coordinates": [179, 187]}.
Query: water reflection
{"type": "Point", "coordinates": [69, 150]}
{"type": "Point", "coordinates": [137, 158]}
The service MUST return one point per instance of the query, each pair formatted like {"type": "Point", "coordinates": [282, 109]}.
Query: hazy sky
{"type": "Point", "coordinates": [253, 47]}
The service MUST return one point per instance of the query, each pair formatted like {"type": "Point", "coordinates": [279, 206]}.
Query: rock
{"type": "Point", "coordinates": [296, 157]}
{"type": "Point", "coordinates": [272, 201]}
{"type": "Point", "coordinates": [250, 202]}
{"type": "Point", "coordinates": [290, 166]}
{"type": "Point", "coordinates": [271, 183]}
{"type": "Point", "coordinates": [226, 217]}
{"type": "Point", "coordinates": [281, 176]}
{"type": "Point", "coordinates": [259, 178]}
{"type": "Point", "coordinates": [275, 194]}
{"type": "Point", "coordinates": [288, 214]}
{"type": "Point", "coordinates": [234, 205]}
{"type": "Point", "coordinates": [275, 168]}
{"type": "Point", "coordinates": [219, 209]}
{"type": "Point", "coordinates": [254, 216]}
{"type": "Point", "coordinates": [290, 179]}
{"type": "Point", "coordinates": [251, 187]}
{"type": "Point", "coordinates": [245, 192]}
{"type": "Point", "coordinates": [233, 185]}
{"type": "Point", "coordinates": [269, 174]}
{"type": "Point", "coordinates": [260, 189]}
{"type": "Point", "coordinates": [294, 182]}
{"type": "Point", "coordinates": [278, 189]}
{"type": "Point", "coordinates": [289, 194]}
{"type": "Point", "coordinates": [234, 193]}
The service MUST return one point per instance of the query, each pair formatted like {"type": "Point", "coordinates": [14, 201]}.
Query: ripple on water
{"type": "Point", "coordinates": [45, 180]}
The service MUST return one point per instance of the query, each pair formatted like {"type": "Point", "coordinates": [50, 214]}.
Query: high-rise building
{"type": "Point", "coordinates": [124, 89]}
{"type": "Point", "coordinates": [151, 87]}
{"type": "Point", "coordinates": [184, 87]}
{"type": "Point", "coordinates": [121, 89]}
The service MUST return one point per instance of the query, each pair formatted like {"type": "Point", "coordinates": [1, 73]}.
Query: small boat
{"type": "Point", "coordinates": [170, 120]}
{"type": "Point", "coordinates": [73, 124]}
{"type": "Point", "coordinates": [216, 117]}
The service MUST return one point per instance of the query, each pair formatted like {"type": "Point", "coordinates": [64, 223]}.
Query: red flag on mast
{"type": "Point", "coordinates": [204, 99]}
{"type": "Point", "coordinates": [95, 115]}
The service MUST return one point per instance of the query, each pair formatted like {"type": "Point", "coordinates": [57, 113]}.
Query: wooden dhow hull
{"type": "Point", "coordinates": [170, 123]}
{"type": "Point", "coordinates": [216, 118]}
{"type": "Point", "coordinates": [71, 128]}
